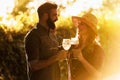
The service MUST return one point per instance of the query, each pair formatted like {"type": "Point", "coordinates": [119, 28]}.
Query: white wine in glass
{"type": "Point", "coordinates": [66, 44]}
{"type": "Point", "coordinates": [74, 41]}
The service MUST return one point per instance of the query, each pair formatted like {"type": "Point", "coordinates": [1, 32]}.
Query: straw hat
{"type": "Point", "coordinates": [88, 19]}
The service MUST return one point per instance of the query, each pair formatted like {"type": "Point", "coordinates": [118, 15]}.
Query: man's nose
{"type": "Point", "coordinates": [56, 19]}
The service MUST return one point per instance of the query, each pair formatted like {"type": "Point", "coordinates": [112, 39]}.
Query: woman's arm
{"type": "Point", "coordinates": [89, 68]}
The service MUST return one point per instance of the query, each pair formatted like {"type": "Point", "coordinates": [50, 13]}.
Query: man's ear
{"type": "Point", "coordinates": [75, 20]}
{"type": "Point", "coordinates": [45, 15]}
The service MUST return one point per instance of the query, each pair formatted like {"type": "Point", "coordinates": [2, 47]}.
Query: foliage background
{"type": "Point", "coordinates": [12, 55]}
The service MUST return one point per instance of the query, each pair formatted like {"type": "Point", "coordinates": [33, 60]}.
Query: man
{"type": "Point", "coordinates": [42, 47]}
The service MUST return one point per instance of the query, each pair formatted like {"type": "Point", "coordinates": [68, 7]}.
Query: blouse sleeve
{"type": "Point", "coordinates": [98, 57]}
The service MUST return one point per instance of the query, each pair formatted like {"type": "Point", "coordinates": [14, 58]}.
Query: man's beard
{"type": "Point", "coordinates": [51, 23]}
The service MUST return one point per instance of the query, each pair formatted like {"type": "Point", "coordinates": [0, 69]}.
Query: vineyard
{"type": "Point", "coordinates": [15, 24]}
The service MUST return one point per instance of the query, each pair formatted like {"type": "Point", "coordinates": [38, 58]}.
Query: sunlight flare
{"type": "Point", "coordinates": [79, 6]}
{"type": "Point", "coordinates": [6, 7]}
{"type": "Point", "coordinates": [113, 77]}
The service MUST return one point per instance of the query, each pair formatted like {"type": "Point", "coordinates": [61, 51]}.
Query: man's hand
{"type": "Point", "coordinates": [62, 55]}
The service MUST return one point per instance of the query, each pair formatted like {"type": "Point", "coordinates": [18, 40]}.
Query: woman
{"type": "Point", "coordinates": [87, 57]}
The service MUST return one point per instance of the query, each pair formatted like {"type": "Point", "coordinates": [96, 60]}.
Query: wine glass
{"type": "Point", "coordinates": [74, 41]}
{"type": "Point", "coordinates": [66, 44]}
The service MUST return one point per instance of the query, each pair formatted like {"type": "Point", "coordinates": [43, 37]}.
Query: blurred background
{"type": "Point", "coordinates": [18, 17]}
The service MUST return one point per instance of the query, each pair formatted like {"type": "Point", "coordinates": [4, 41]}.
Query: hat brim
{"type": "Point", "coordinates": [77, 20]}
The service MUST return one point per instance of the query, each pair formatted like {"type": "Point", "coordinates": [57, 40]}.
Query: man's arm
{"type": "Point", "coordinates": [39, 64]}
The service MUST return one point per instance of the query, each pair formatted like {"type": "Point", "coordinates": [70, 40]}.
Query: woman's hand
{"type": "Point", "coordinates": [77, 54]}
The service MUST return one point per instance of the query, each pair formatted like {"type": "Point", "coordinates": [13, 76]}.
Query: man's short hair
{"type": "Point", "coordinates": [45, 8]}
